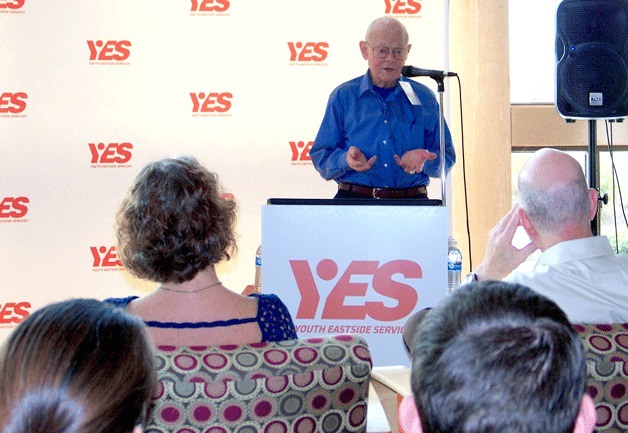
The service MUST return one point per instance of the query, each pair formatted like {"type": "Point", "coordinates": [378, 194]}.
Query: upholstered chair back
{"type": "Point", "coordinates": [308, 385]}
{"type": "Point", "coordinates": [606, 349]}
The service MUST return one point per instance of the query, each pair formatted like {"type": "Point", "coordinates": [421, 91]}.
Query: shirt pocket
{"type": "Point", "coordinates": [409, 131]}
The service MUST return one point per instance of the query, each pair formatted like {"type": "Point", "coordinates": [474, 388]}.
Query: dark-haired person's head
{"type": "Point", "coordinates": [498, 357]}
{"type": "Point", "coordinates": [174, 222]}
{"type": "Point", "coordinates": [77, 366]}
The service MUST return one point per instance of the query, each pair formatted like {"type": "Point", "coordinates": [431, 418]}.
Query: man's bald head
{"type": "Point", "coordinates": [548, 168]}
{"type": "Point", "coordinates": [554, 195]}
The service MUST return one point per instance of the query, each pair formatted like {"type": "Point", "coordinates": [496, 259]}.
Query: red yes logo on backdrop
{"type": "Point", "coordinates": [112, 153]}
{"type": "Point", "coordinates": [109, 50]}
{"type": "Point", "coordinates": [14, 312]}
{"type": "Point", "coordinates": [13, 207]}
{"type": "Point", "coordinates": [382, 281]}
{"type": "Point", "coordinates": [105, 257]}
{"type": "Point", "coordinates": [308, 51]}
{"type": "Point", "coordinates": [11, 4]}
{"type": "Point", "coordinates": [13, 102]}
{"type": "Point", "coordinates": [301, 150]}
{"type": "Point", "coordinates": [210, 5]}
{"type": "Point", "coordinates": [211, 102]}
{"type": "Point", "coordinates": [409, 7]}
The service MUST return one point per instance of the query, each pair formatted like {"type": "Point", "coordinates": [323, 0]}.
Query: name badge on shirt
{"type": "Point", "coordinates": [409, 91]}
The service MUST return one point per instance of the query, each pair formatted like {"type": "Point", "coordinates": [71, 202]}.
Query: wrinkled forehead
{"type": "Point", "coordinates": [387, 34]}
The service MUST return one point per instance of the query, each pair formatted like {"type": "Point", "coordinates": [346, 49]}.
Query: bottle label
{"type": "Point", "coordinates": [454, 266]}
{"type": "Point", "coordinates": [258, 261]}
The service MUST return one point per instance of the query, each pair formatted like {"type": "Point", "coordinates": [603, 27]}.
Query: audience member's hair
{"type": "Point", "coordinates": [77, 366]}
{"type": "Point", "coordinates": [550, 208]}
{"type": "Point", "coordinates": [497, 357]}
{"type": "Point", "coordinates": [174, 222]}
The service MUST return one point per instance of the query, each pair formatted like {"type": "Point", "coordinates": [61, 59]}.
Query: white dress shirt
{"type": "Point", "coordinates": [584, 277]}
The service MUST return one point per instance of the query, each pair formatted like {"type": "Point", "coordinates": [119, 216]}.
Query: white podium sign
{"type": "Point", "coordinates": [359, 269]}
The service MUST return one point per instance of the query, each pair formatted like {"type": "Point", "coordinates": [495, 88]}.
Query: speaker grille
{"type": "Point", "coordinates": [591, 58]}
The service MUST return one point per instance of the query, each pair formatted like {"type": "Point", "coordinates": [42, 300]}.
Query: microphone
{"type": "Point", "coordinates": [411, 71]}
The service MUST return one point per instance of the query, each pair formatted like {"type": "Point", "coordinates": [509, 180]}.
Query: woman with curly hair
{"type": "Point", "coordinates": [173, 228]}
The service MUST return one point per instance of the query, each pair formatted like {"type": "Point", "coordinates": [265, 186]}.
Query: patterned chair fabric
{"type": "Point", "coordinates": [316, 384]}
{"type": "Point", "coordinates": [606, 350]}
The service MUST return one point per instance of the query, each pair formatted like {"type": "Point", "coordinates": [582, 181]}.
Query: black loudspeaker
{"type": "Point", "coordinates": [592, 59]}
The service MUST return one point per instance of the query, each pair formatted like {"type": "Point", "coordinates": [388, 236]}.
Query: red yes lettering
{"type": "Point", "coordinates": [307, 288]}
{"type": "Point", "coordinates": [105, 257]}
{"type": "Point", "coordinates": [301, 150]}
{"type": "Point", "coordinates": [383, 283]}
{"type": "Point", "coordinates": [335, 307]}
{"type": "Point", "coordinates": [109, 51]}
{"type": "Point", "coordinates": [12, 4]}
{"type": "Point", "coordinates": [210, 5]}
{"type": "Point", "coordinates": [112, 153]}
{"type": "Point", "coordinates": [308, 52]}
{"type": "Point", "coordinates": [13, 207]}
{"type": "Point", "coordinates": [13, 312]}
{"type": "Point", "coordinates": [402, 7]}
{"type": "Point", "coordinates": [211, 102]}
{"type": "Point", "coordinates": [13, 102]}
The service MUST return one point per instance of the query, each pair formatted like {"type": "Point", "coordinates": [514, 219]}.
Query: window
{"type": "Point", "coordinates": [532, 67]}
{"type": "Point", "coordinates": [532, 27]}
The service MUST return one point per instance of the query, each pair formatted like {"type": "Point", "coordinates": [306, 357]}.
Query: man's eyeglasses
{"type": "Point", "coordinates": [382, 52]}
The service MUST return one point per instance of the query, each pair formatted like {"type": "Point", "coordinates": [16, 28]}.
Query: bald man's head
{"type": "Point", "coordinates": [553, 192]}
{"type": "Point", "coordinates": [387, 24]}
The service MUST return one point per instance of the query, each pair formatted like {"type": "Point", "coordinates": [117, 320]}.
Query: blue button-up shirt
{"type": "Point", "coordinates": [357, 116]}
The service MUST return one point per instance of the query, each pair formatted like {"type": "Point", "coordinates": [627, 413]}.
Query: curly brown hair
{"type": "Point", "coordinates": [174, 222]}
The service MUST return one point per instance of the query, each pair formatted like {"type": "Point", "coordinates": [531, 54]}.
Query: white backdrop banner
{"type": "Point", "coordinates": [91, 91]}
{"type": "Point", "coordinates": [356, 269]}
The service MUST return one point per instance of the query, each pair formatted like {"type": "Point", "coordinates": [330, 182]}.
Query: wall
{"type": "Point", "coordinates": [91, 91]}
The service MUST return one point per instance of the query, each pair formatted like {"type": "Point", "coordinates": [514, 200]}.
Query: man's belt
{"type": "Point", "coordinates": [383, 192]}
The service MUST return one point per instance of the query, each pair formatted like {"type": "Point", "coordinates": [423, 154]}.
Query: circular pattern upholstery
{"type": "Point", "coordinates": [606, 352]}
{"type": "Point", "coordinates": [301, 386]}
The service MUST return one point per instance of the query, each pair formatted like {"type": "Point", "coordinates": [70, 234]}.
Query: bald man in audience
{"type": "Point", "coordinates": [577, 270]}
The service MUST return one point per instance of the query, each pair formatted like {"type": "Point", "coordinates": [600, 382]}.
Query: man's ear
{"type": "Point", "coordinates": [363, 48]}
{"type": "Point", "coordinates": [408, 416]}
{"type": "Point", "coordinates": [587, 417]}
{"type": "Point", "coordinates": [592, 203]}
{"type": "Point", "coordinates": [528, 227]}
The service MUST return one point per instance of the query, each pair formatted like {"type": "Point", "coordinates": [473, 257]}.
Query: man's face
{"type": "Point", "coordinates": [386, 54]}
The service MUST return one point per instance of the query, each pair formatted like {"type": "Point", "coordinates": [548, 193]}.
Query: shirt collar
{"type": "Point", "coordinates": [576, 249]}
{"type": "Point", "coordinates": [366, 84]}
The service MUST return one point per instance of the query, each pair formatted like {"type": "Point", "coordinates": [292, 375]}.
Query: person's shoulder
{"type": "Point", "coordinates": [267, 298]}
{"type": "Point", "coordinates": [420, 88]}
{"type": "Point", "coordinates": [120, 302]}
{"type": "Point", "coordinates": [269, 301]}
{"type": "Point", "coordinates": [352, 85]}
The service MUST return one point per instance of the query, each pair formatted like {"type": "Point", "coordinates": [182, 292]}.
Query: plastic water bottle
{"type": "Point", "coordinates": [454, 265]}
{"type": "Point", "coordinates": [258, 270]}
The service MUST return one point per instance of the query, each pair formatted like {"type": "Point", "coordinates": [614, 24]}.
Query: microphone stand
{"type": "Point", "coordinates": [440, 81]}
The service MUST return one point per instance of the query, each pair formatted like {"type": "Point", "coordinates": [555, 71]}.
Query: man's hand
{"type": "Point", "coordinates": [413, 160]}
{"type": "Point", "coordinates": [357, 161]}
{"type": "Point", "coordinates": [501, 256]}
